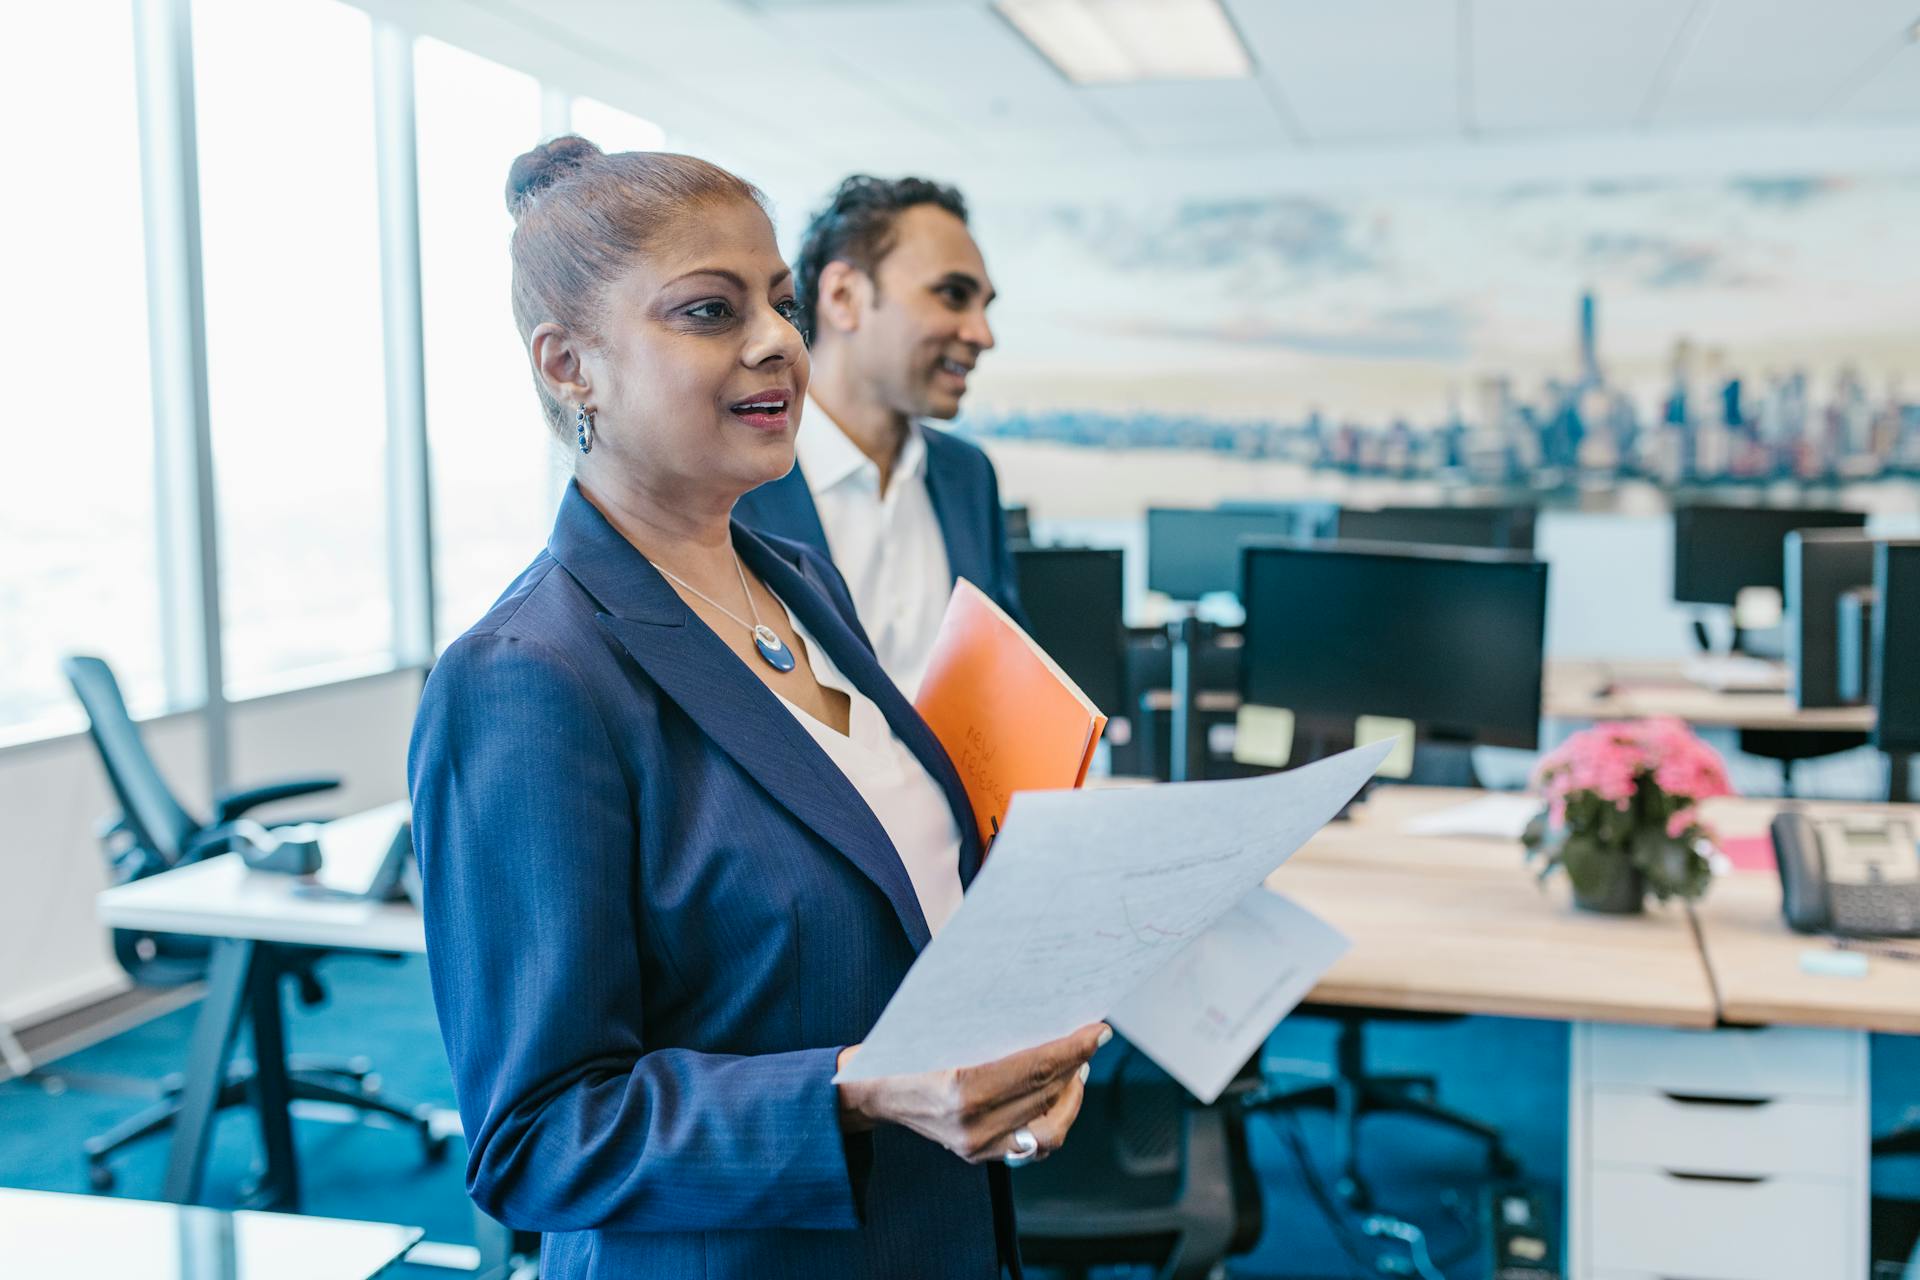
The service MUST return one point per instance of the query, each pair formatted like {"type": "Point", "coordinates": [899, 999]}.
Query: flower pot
{"type": "Point", "coordinates": [1624, 893]}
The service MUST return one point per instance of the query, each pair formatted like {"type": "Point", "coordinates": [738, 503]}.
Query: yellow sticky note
{"type": "Point", "coordinates": [1371, 729]}
{"type": "Point", "coordinates": [1263, 736]}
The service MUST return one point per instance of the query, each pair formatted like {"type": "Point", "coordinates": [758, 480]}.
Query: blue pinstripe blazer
{"type": "Point", "coordinates": [966, 501]}
{"type": "Point", "coordinates": [655, 911]}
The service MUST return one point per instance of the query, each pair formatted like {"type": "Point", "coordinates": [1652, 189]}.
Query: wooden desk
{"type": "Point", "coordinates": [1375, 835]}
{"type": "Point", "coordinates": [1572, 691]}
{"type": "Point", "coordinates": [1754, 959]}
{"type": "Point", "coordinates": [1498, 944]}
{"type": "Point", "coordinates": [1461, 925]}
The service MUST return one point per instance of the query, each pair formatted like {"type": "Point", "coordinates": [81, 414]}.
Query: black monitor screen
{"type": "Point", "coordinates": [1896, 645]}
{"type": "Point", "coordinates": [1452, 640]}
{"type": "Point", "coordinates": [1821, 565]}
{"type": "Point", "coordinates": [1194, 553]}
{"type": "Point", "coordinates": [1073, 601]}
{"type": "Point", "coordinates": [1019, 524]}
{"type": "Point", "coordinates": [1503, 528]}
{"type": "Point", "coordinates": [1719, 551]}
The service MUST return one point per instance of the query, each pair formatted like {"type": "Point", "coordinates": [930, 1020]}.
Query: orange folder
{"type": "Point", "coordinates": [1007, 714]}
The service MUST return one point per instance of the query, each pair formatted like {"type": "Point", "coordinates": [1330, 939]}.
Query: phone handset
{"type": "Point", "coordinates": [1803, 873]}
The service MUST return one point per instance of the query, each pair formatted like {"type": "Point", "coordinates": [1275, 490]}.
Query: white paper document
{"type": "Point", "coordinates": [1211, 1008]}
{"type": "Point", "coordinates": [1088, 895]}
{"type": "Point", "coordinates": [1500, 816]}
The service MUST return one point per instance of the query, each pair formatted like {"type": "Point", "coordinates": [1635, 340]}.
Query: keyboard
{"type": "Point", "coordinates": [1737, 673]}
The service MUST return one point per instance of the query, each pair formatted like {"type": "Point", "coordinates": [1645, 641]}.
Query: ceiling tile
{"type": "Point", "coordinates": [1195, 114]}
{"type": "Point", "coordinates": [1359, 69]}
{"type": "Point", "coordinates": [1759, 62]}
{"type": "Point", "coordinates": [1890, 93]}
{"type": "Point", "coordinates": [957, 68]}
{"type": "Point", "coordinates": [1585, 66]}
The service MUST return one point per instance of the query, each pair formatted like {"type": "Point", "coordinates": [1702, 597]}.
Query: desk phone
{"type": "Point", "coordinates": [1857, 875]}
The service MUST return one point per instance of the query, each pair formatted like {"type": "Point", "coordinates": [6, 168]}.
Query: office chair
{"type": "Point", "coordinates": [1789, 746]}
{"type": "Point", "coordinates": [1901, 1142]}
{"type": "Point", "coordinates": [1354, 1094]}
{"type": "Point", "coordinates": [154, 833]}
{"type": "Point", "coordinates": [1148, 1177]}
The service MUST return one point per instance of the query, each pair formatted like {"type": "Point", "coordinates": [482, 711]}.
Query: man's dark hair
{"type": "Point", "coordinates": [856, 226]}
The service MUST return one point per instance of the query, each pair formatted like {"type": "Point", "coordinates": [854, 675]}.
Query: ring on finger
{"type": "Point", "coordinates": [1025, 1148]}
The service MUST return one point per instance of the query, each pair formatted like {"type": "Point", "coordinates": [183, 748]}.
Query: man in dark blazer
{"type": "Point", "coordinates": [893, 297]}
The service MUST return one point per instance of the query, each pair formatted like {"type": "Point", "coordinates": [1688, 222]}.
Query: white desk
{"type": "Point", "coordinates": [223, 898]}
{"type": "Point", "coordinates": [47, 1233]}
{"type": "Point", "coordinates": [255, 918]}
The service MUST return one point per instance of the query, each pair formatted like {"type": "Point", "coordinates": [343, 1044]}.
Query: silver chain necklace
{"type": "Point", "coordinates": [772, 648]}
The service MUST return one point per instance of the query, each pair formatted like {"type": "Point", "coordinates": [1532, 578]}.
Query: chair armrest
{"type": "Point", "coordinates": [209, 842]}
{"type": "Point", "coordinates": [234, 803]}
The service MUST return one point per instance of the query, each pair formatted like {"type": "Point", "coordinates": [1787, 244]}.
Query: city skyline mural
{"type": "Point", "coordinates": [1735, 326]}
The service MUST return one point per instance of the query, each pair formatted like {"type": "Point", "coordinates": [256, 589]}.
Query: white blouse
{"type": "Point", "coordinates": [910, 805]}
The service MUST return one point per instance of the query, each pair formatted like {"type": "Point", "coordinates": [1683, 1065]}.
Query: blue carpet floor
{"type": "Point", "coordinates": [1509, 1072]}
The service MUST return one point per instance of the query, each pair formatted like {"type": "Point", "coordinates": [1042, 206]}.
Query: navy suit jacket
{"type": "Point", "coordinates": [966, 501]}
{"type": "Point", "coordinates": [655, 912]}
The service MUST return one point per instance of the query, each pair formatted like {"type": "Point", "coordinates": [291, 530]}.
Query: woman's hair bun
{"type": "Point", "coordinates": [536, 170]}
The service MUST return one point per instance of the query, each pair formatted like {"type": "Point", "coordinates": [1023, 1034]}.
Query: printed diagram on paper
{"type": "Point", "coordinates": [1086, 896]}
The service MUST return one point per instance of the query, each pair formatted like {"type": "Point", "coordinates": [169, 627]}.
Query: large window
{"type": "Point", "coordinates": [297, 393]}
{"type": "Point", "coordinates": [615, 130]}
{"type": "Point", "coordinates": [492, 458]}
{"type": "Point", "coordinates": [78, 571]}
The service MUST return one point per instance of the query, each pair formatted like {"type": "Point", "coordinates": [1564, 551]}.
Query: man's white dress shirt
{"type": "Point", "coordinates": [888, 546]}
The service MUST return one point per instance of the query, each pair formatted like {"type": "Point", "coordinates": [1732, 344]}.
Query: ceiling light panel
{"type": "Point", "coordinates": [1125, 41]}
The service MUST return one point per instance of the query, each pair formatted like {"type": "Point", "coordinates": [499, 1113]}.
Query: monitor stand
{"type": "Point", "coordinates": [1443, 763]}
{"type": "Point", "coordinates": [1437, 762]}
{"type": "Point", "coordinates": [1182, 740]}
{"type": "Point", "coordinates": [1704, 639]}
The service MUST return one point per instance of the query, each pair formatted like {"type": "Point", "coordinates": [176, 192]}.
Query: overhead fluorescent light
{"type": "Point", "coordinates": [1116, 41]}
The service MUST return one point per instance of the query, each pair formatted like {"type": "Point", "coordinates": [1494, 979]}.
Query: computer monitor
{"type": "Point", "coordinates": [1720, 551]}
{"type": "Point", "coordinates": [1821, 565]}
{"type": "Point", "coordinates": [1308, 518]}
{"type": "Point", "coordinates": [1073, 598]}
{"type": "Point", "coordinates": [1505, 528]}
{"type": "Point", "coordinates": [1195, 553]}
{"type": "Point", "coordinates": [1019, 523]}
{"type": "Point", "coordinates": [1896, 645]}
{"type": "Point", "coordinates": [1449, 638]}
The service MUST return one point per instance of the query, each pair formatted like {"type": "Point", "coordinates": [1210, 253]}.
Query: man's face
{"type": "Point", "coordinates": [926, 323]}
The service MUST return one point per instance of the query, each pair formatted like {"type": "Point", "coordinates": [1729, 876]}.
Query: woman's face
{"type": "Point", "coordinates": [698, 376]}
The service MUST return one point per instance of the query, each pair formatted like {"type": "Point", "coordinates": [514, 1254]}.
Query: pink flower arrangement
{"type": "Point", "coordinates": [1625, 795]}
{"type": "Point", "coordinates": [1611, 758]}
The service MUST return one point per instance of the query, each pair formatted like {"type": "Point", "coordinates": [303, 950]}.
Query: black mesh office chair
{"type": "Point", "coordinates": [1353, 1094]}
{"type": "Point", "coordinates": [154, 833]}
{"type": "Point", "coordinates": [1901, 1142]}
{"type": "Point", "coordinates": [1148, 1177]}
{"type": "Point", "coordinates": [1790, 746]}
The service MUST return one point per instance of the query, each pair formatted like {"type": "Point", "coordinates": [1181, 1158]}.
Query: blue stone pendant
{"type": "Point", "coordinates": [772, 648]}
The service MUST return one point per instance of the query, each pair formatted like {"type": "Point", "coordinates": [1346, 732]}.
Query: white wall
{"type": "Point", "coordinates": [53, 954]}
{"type": "Point", "coordinates": [52, 796]}
{"type": "Point", "coordinates": [355, 731]}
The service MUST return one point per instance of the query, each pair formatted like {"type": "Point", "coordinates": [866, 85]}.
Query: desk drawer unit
{"type": "Point", "coordinates": [1717, 1155]}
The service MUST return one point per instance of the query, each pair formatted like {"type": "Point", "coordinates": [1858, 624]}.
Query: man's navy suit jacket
{"type": "Point", "coordinates": [966, 501]}
{"type": "Point", "coordinates": [655, 911]}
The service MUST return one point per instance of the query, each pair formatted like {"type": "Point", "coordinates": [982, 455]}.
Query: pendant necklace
{"type": "Point", "coordinates": [772, 648]}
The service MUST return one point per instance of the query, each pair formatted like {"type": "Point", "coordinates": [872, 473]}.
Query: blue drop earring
{"type": "Point", "coordinates": [583, 427]}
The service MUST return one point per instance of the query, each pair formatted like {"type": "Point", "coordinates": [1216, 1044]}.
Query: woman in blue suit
{"type": "Point", "coordinates": [680, 837]}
